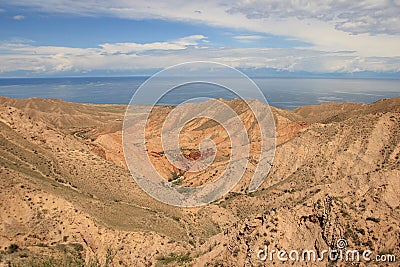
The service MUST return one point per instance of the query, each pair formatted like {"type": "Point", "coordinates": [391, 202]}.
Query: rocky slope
{"type": "Point", "coordinates": [66, 192]}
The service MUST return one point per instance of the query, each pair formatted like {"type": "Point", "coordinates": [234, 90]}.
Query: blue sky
{"type": "Point", "coordinates": [67, 38]}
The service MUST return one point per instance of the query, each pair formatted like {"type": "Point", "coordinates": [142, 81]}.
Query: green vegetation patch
{"type": "Point", "coordinates": [179, 259]}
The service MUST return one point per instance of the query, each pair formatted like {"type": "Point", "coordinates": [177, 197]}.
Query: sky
{"type": "Point", "coordinates": [45, 38]}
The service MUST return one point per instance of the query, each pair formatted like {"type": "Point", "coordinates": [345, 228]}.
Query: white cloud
{"type": "Point", "coordinates": [179, 44]}
{"type": "Point", "coordinates": [368, 16]}
{"type": "Point", "coordinates": [248, 38]}
{"type": "Point", "coordinates": [135, 57]}
{"type": "Point", "coordinates": [19, 17]}
{"type": "Point", "coordinates": [18, 40]}
{"type": "Point", "coordinates": [117, 56]}
{"type": "Point", "coordinates": [369, 27]}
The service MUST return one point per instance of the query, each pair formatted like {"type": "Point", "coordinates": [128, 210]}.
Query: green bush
{"type": "Point", "coordinates": [13, 248]}
{"type": "Point", "coordinates": [174, 176]}
{"type": "Point", "coordinates": [175, 258]}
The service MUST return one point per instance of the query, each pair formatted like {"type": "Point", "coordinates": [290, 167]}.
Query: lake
{"type": "Point", "coordinates": [285, 93]}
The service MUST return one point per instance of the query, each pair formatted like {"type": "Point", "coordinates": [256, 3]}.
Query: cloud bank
{"type": "Point", "coordinates": [136, 57]}
{"type": "Point", "coordinates": [345, 36]}
{"type": "Point", "coordinates": [355, 17]}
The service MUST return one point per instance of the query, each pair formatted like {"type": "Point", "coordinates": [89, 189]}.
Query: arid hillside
{"type": "Point", "coordinates": [68, 198]}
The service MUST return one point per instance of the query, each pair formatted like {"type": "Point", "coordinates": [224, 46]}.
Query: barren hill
{"type": "Point", "coordinates": [331, 111]}
{"type": "Point", "coordinates": [66, 192]}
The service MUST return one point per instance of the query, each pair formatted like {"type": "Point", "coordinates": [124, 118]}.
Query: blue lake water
{"type": "Point", "coordinates": [286, 93]}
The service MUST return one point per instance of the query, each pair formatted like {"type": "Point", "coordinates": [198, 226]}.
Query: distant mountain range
{"type": "Point", "coordinates": [251, 72]}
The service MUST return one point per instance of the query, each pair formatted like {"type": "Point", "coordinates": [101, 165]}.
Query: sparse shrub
{"type": "Point", "coordinates": [386, 252]}
{"type": "Point", "coordinates": [176, 218]}
{"type": "Point", "coordinates": [177, 182]}
{"type": "Point", "coordinates": [110, 255]}
{"type": "Point", "coordinates": [78, 247]}
{"type": "Point", "coordinates": [369, 244]}
{"type": "Point", "coordinates": [174, 176]}
{"type": "Point", "coordinates": [344, 213]}
{"type": "Point", "coordinates": [218, 264]}
{"type": "Point", "coordinates": [361, 231]}
{"type": "Point", "coordinates": [175, 258]}
{"type": "Point", "coordinates": [71, 258]}
{"type": "Point", "coordinates": [373, 219]}
{"type": "Point", "coordinates": [13, 248]}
